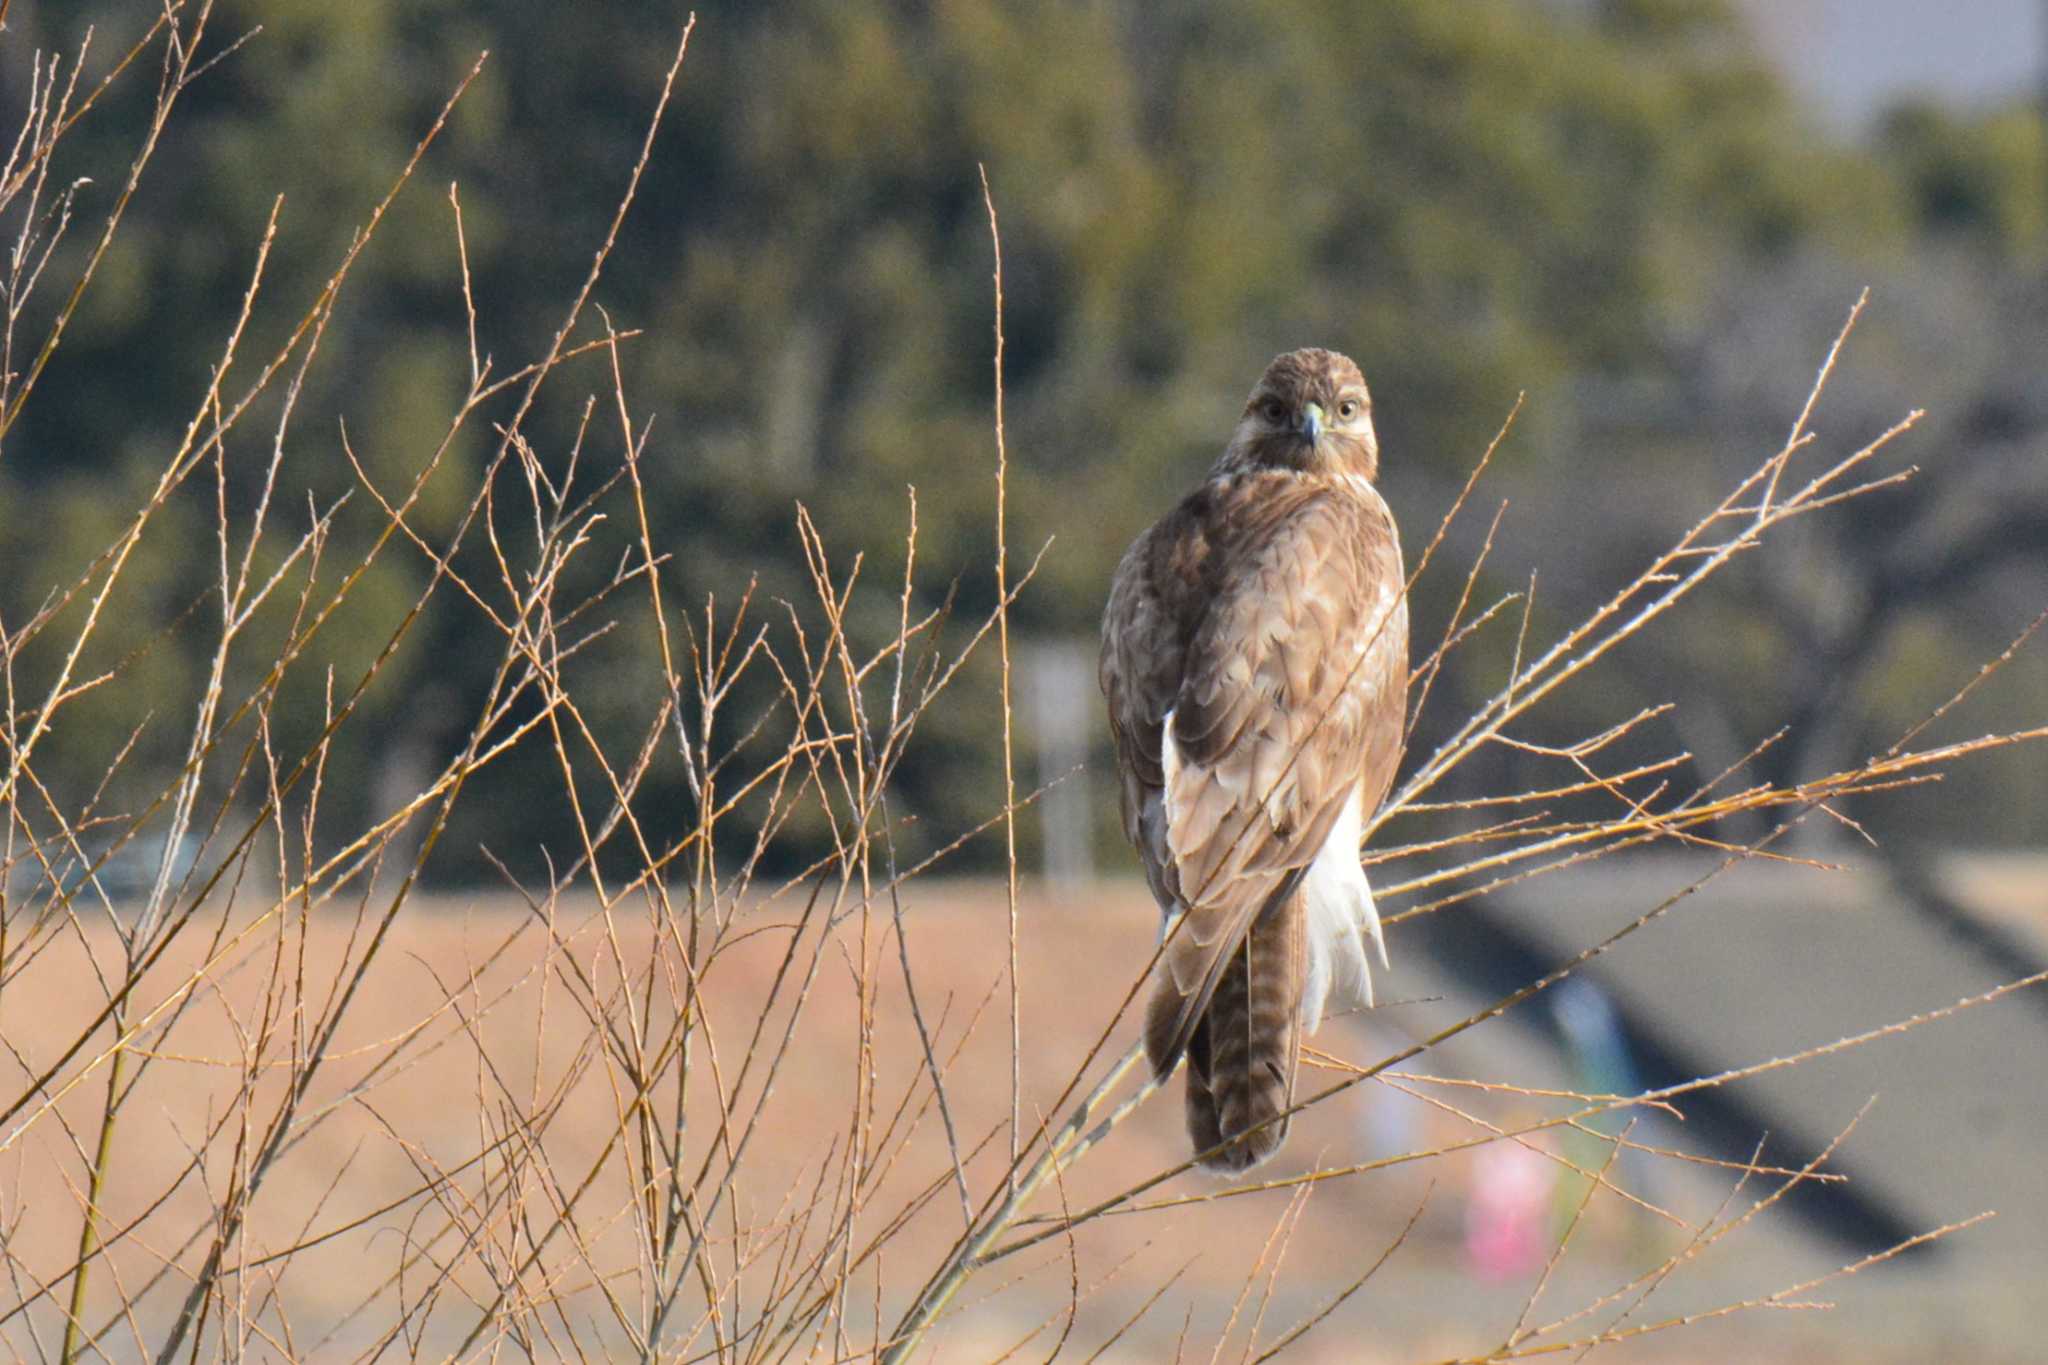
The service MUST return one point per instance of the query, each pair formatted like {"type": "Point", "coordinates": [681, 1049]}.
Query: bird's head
{"type": "Point", "coordinates": [1310, 411]}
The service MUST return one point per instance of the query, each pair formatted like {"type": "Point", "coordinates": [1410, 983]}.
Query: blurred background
{"type": "Point", "coordinates": [1649, 215]}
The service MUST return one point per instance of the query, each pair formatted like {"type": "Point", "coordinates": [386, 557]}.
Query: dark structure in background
{"type": "Point", "coordinates": [1765, 960]}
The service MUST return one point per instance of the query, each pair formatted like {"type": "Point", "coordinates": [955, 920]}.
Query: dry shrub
{"type": "Point", "coordinates": [563, 1143]}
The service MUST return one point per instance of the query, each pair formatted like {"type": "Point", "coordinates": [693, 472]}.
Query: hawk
{"type": "Point", "coordinates": [1255, 661]}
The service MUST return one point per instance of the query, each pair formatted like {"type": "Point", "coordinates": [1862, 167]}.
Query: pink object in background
{"type": "Point", "coordinates": [1507, 1212]}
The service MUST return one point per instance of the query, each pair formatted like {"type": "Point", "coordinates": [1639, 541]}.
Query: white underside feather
{"type": "Point", "coordinates": [1169, 763]}
{"type": "Point", "coordinates": [1340, 913]}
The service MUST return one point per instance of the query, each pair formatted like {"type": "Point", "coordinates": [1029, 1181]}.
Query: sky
{"type": "Point", "coordinates": [1851, 58]}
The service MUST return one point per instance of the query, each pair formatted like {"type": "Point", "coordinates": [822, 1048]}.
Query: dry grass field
{"type": "Point", "coordinates": [483, 1006]}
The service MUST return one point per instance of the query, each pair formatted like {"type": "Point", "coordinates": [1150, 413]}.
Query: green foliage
{"type": "Point", "coordinates": [1980, 180]}
{"type": "Point", "coordinates": [1474, 199]}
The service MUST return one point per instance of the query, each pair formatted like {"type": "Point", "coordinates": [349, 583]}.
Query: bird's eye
{"type": "Point", "coordinates": [1273, 410]}
{"type": "Point", "coordinates": [1348, 409]}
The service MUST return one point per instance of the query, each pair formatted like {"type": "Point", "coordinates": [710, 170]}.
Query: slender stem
{"type": "Point", "coordinates": [88, 1232]}
{"type": "Point", "coordinates": [1003, 644]}
{"type": "Point", "coordinates": [1073, 1138]}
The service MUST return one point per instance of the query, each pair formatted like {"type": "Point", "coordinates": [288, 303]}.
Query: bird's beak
{"type": "Point", "coordinates": [1312, 423]}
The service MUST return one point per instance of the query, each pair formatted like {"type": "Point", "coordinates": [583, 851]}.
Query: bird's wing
{"type": "Point", "coordinates": [1143, 642]}
{"type": "Point", "coordinates": [1292, 677]}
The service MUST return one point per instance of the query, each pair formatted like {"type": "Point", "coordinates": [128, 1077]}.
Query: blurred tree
{"type": "Point", "coordinates": [1981, 181]}
{"type": "Point", "coordinates": [1473, 200]}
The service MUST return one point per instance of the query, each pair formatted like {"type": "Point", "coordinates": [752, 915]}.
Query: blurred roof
{"type": "Point", "coordinates": [1766, 959]}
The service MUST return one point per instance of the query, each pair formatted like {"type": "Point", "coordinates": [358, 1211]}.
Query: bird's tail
{"type": "Point", "coordinates": [1241, 1057]}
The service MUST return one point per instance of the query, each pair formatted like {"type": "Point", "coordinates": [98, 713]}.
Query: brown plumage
{"type": "Point", "coordinates": [1255, 660]}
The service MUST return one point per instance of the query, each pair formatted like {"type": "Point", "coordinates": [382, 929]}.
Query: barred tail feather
{"type": "Point", "coordinates": [1256, 1039]}
{"type": "Point", "coordinates": [1242, 1051]}
{"type": "Point", "coordinates": [1205, 1125]}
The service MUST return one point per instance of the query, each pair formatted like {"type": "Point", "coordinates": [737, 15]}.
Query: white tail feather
{"type": "Point", "coordinates": [1340, 914]}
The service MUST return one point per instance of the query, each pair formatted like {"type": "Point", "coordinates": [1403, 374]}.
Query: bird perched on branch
{"type": "Point", "coordinates": [1255, 660]}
